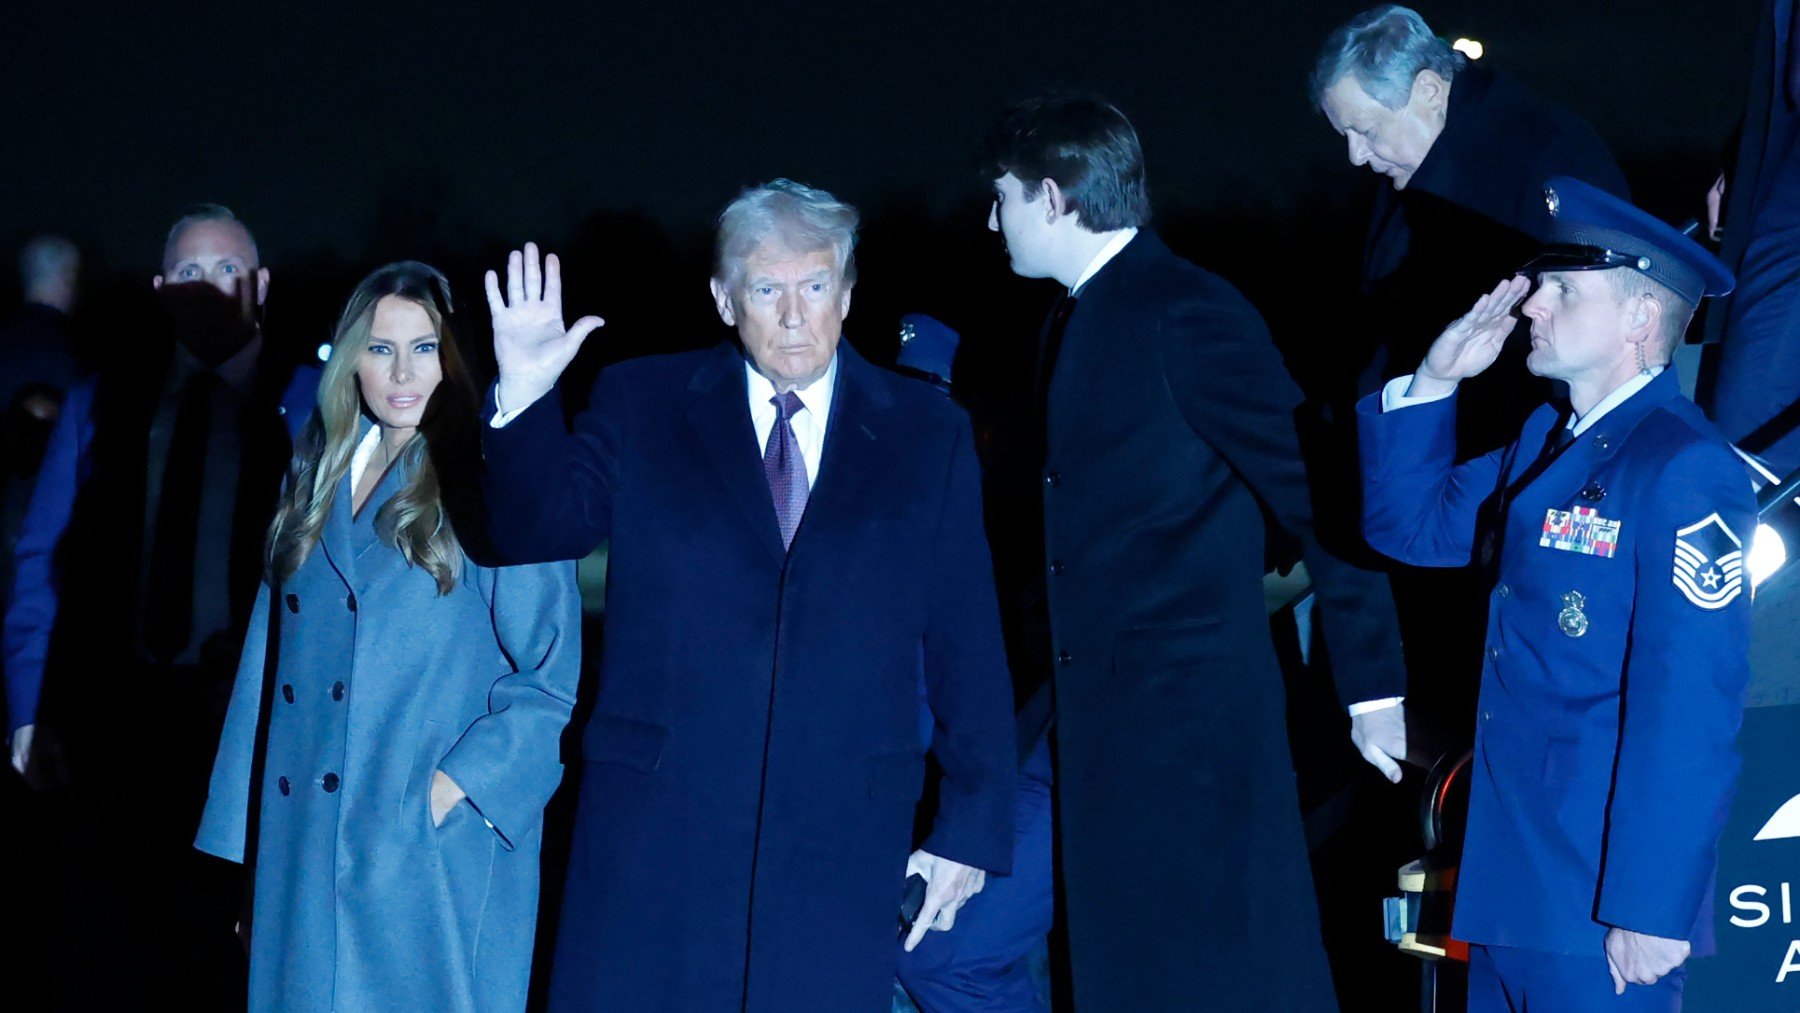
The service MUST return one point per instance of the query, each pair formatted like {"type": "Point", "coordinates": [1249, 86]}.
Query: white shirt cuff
{"type": "Point", "coordinates": [1375, 705]}
{"type": "Point", "coordinates": [1393, 394]}
{"type": "Point", "coordinates": [501, 415]}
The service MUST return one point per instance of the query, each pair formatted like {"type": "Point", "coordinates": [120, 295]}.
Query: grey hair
{"type": "Point", "coordinates": [794, 216]}
{"type": "Point", "coordinates": [1677, 312]}
{"type": "Point", "coordinates": [199, 213]}
{"type": "Point", "coordinates": [1384, 49]}
{"type": "Point", "coordinates": [46, 257]}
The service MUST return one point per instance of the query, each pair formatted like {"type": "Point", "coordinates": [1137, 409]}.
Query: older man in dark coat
{"type": "Point", "coordinates": [1467, 150]}
{"type": "Point", "coordinates": [796, 550]}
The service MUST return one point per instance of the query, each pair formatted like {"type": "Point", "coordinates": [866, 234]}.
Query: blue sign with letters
{"type": "Point", "coordinates": [1757, 911]}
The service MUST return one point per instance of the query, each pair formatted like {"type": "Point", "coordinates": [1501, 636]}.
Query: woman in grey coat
{"type": "Point", "coordinates": [413, 701]}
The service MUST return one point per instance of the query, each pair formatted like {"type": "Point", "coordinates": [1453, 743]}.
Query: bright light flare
{"type": "Point", "coordinates": [1768, 553]}
{"type": "Point", "coordinates": [1469, 48]}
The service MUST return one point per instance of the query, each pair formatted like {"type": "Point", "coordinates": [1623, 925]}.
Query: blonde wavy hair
{"type": "Point", "coordinates": [415, 520]}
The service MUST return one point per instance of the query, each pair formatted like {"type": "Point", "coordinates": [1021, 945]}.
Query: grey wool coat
{"type": "Point", "coordinates": [360, 902]}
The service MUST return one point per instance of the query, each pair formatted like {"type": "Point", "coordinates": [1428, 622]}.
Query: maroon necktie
{"type": "Point", "coordinates": [785, 468]}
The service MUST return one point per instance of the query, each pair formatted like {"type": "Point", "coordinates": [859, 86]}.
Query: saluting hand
{"type": "Point", "coordinates": [531, 345]}
{"type": "Point", "coordinates": [1473, 342]}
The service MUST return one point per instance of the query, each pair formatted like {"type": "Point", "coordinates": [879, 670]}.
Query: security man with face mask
{"type": "Point", "coordinates": [137, 566]}
{"type": "Point", "coordinates": [1613, 532]}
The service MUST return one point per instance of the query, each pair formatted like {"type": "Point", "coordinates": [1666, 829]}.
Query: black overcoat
{"type": "Point", "coordinates": [754, 759]}
{"type": "Point", "coordinates": [1171, 432]}
{"type": "Point", "coordinates": [1752, 394]}
{"type": "Point", "coordinates": [1472, 214]}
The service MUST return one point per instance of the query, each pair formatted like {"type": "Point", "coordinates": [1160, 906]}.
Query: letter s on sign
{"type": "Point", "coordinates": [1757, 908]}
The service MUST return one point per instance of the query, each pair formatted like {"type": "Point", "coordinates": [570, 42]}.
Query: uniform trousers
{"type": "Point", "coordinates": [1506, 979]}
{"type": "Point", "coordinates": [984, 962]}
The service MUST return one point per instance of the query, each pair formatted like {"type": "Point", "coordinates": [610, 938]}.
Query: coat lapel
{"type": "Point", "coordinates": [335, 539]}
{"type": "Point", "coordinates": [858, 410]}
{"type": "Point", "coordinates": [718, 413]}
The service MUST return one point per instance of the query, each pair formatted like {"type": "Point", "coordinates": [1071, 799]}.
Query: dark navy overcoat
{"type": "Point", "coordinates": [753, 761]}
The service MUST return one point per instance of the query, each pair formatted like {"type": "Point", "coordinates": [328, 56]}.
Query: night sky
{"type": "Point", "coordinates": [325, 125]}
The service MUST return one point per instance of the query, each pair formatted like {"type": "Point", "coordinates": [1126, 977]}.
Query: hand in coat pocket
{"type": "Point", "coordinates": [445, 794]}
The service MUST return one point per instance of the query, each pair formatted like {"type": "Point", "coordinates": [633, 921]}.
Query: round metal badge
{"type": "Point", "coordinates": [1572, 620]}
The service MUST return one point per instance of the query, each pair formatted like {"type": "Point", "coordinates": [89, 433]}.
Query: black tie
{"type": "Point", "coordinates": [169, 608]}
{"type": "Point", "coordinates": [1564, 436]}
{"type": "Point", "coordinates": [1050, 346]}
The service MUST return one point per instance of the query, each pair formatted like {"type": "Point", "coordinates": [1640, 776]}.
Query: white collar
{"type": "Point", "coordinates": [365, 452]}
{"type": "Point", "coordinates": [1105, 256]}
{"type": "Point", "coordinates": [816, 396]}
{"type": "Point", "coordinates": [1619, 396]}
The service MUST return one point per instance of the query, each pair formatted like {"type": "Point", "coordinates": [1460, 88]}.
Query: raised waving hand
{"type": "Point", "coordinates": [531, 344]}
{"type": "Point", "coordinates": [1473, 341]}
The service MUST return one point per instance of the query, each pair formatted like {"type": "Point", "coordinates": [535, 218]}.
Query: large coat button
{"type": "Point", "coordinates": [293, 603]}
{"type": "Point", "coordinates": [1056, 567]}
{"type": "Point", "coordinates": [1052, 479]}
{"type": "Point", "coordinates": [330, 783]}
{"type": "Point", "coordinates": [1064, 658]}
{"type": "Point", "coordinates": [283, 784]}
{"type": "Point", "coordinates": [350, 602]}
{"type": "Point", "coordinates": [337, 691]}
{"type": "Point", "coordinates": [287, 692]}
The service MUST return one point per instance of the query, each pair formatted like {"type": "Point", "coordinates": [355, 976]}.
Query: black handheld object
{"type": "Point", "coordinates": [911, 900]}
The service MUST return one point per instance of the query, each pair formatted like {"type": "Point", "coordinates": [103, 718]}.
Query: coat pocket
{"type": "Point", "coordinates": [1146, 651]}
{"type": "Point", "coordinates": [611, 738]}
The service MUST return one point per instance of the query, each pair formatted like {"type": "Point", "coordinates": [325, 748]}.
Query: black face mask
{"type": "Point", "coordinates": [210, 324]}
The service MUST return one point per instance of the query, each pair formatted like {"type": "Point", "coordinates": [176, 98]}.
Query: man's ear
{"type": "Point", "coordinates": [262, 285]}
{"type": "Point", "coordinates": [1646, 315]}
{"type": "Point", "coordinates": [722, 300]}
{"type": "Point", "coordinates": [1056, 204]}
{"type": "Point", "coordinates": [844, 300]}
{"type": "Point", "coordinates": [156, 283]}
{"type": "Point", "coordinates": [1430, 91]}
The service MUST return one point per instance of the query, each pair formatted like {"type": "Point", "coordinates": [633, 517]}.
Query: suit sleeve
{"type": "Point", "coordinates": [508, 762]}
{"type": "Point", "coordinates": [31, 609]}
{"type": "Point", "coordinates": [1684, 684]}
{"type": "Point", "coordinates": [1234, 391]}
{"type": "Point", "coordinates": [547, 491]}
{"type": "Point", "coordinates": [1419, 506]}
{"type": "Point", "coordinates": [223, 822]}
{"type": "Point", "coordinates": [966, 681]}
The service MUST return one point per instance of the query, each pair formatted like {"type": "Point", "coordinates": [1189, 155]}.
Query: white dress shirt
{"type": "Point", "coordinates": [809, 425]}
{"type": "Point", "coordinates": [1394, 396]}
{"type": "Point", "coordinates": [1106, 254]}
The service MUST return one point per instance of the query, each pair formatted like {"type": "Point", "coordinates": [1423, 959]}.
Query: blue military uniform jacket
{"type": "Point", "coordinates": [1615, 663]}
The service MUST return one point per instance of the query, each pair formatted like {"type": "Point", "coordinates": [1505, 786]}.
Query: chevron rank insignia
{"type": "Point", "coordinates": [1709, 563]}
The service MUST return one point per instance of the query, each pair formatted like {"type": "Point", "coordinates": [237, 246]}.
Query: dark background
{"type": "Point", "coordinates": [349, 135]}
